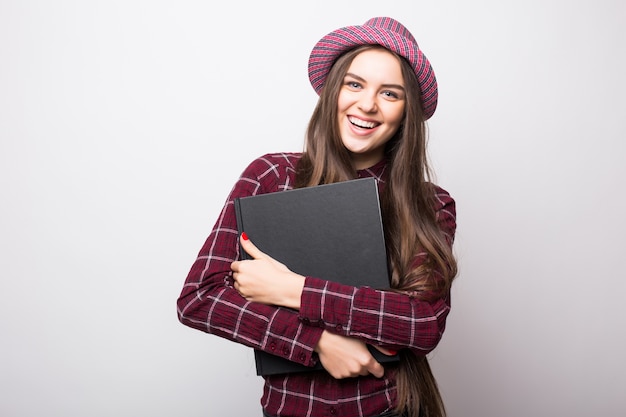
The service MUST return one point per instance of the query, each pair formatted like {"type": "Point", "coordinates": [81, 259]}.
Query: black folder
{"type": "Point", "coordinates": [331, 231]}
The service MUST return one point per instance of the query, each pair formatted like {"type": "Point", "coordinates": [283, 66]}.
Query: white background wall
{"type": "Point", "coordinates": [124, 124]}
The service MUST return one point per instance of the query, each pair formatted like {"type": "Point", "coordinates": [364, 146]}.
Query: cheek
{"type": "Point", "coordinates": [343, 102]}
{"type": "Point", "coordinates": [395, 114]}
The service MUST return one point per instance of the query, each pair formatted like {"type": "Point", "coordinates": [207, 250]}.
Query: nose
{"type": "Point", "coordinates": [367, 103]}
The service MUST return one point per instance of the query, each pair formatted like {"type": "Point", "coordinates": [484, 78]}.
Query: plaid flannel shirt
{"type": "Point", "coordinates": [209, 302]}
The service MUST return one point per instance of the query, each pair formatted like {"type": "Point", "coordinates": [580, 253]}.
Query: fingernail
{"type": "Point", "coordinates": [244, 235]}
{"type": "Point", "coordinates": [392, 352]}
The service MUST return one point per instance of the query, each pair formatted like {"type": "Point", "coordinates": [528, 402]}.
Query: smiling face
{"type": "Point", "coordinates": [370, 105]}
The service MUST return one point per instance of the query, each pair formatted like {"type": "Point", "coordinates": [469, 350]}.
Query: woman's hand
{"type": "Point", "coordinates": [263, 279]}
{"type": "Point", "coordinates": [345, 357]}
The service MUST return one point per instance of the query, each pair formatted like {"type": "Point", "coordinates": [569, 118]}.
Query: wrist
{"type": "Point", "coordinates": [294, 285]}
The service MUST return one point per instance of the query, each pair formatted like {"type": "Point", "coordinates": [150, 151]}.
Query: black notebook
{"type": "Point", "coordinates": [332, 231]}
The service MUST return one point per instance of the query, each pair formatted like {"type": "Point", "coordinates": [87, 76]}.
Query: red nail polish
{"type": "Point", "coordinates": [244, 235]}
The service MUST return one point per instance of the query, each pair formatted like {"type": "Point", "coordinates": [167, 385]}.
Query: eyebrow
{"type": "Point", "coordinates": [398, 86]}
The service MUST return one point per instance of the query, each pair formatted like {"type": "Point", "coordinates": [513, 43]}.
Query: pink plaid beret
{"type": "Point", "coordinates": [383, 31]}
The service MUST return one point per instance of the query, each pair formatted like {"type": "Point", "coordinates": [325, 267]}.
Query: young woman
{"type": "Point", "coordinates": [377, 90]}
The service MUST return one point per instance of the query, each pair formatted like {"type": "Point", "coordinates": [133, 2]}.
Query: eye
{"type": "Point", "coordinates": [390, 94]}
{"type": "Point", "coordinates": [353, 85]}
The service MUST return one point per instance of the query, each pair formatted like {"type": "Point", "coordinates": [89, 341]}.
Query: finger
{"type": "Point", "coordinates": [376, 369]}
{"type": "Point", "coordinates": [249, 247]}
{"type": "Point", "coordinates": [386, 351]}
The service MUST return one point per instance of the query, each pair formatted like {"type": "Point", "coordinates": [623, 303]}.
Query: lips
{"type": "Point", "coordinates": [362, 123]}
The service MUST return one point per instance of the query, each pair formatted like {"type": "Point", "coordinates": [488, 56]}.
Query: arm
{"type": "Point", "coordinates": [392, 319]}
{"type": "Point", "coordinates": [209, 302]}
{"type": "Point", "coordinates": [386, 318]}
{"type": "Point", "coordinates": [262, 279]}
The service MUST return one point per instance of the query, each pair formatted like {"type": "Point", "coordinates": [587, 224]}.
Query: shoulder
{"type": "Point", "coordinates": [445, 212]}
{"type": "Point", "coordinates": [272, 171]}
{"type": "Point", "coordinates": [280, 159]}
{"type": "Point", "coordinates": [442, 198]}
{"type": "Point", "coordinates": [273, 164]}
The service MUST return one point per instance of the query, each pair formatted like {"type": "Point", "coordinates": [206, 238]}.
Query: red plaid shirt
{"type": "Point", "coordinates": [209, 302]}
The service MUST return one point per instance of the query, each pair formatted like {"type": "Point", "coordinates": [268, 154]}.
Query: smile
{"type": "Point", "coordinates": [362, 123]}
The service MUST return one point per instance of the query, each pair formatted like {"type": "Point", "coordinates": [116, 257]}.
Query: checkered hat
{"type": "Point", "coordinates": [383, 31]}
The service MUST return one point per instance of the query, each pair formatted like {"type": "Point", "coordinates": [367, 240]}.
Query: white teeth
{"type": "Point", "coordinates": [361, 123]}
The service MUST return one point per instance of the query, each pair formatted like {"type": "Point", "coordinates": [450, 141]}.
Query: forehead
{"type": "Point", "coordinates": [377, 64]}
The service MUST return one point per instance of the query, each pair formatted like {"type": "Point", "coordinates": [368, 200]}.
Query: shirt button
{"type": "Point", "coordinates": [272, 346]}
{"type": "Point", "coordinates": [338, 327]}
{"type": "Point", "coordinates": [333, 410]}
{"type": "Point", "coordinates": [302, 357]}
{"type": "Point", "coordinates": [286, 351]}
{"type": "Point", "coordinates": [306, 320]}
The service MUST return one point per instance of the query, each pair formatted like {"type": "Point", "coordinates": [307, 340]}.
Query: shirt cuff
{"type": "Point", "coordinates": [324, 300]}
{"type": "Point", "coordinates": [311, 301]}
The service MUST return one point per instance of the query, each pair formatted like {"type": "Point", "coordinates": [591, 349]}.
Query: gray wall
{"type": "Point", "coordinates": [124, 124]}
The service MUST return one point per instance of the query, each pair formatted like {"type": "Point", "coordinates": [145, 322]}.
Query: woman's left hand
{"type": "Point", "coordinates": [263, 279]}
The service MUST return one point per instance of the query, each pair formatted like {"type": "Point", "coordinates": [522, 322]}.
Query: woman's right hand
{"type": "Point", "coordinates": [345, 357]}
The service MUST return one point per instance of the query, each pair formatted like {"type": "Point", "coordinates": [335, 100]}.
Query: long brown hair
{"type": "Point", "coordinates": [407, 204]}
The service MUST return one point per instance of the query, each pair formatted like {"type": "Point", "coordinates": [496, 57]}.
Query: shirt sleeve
{"type": "Point", "coordinates": [387, 318]}
{"type": "Point", "coordinates": [209, 302]}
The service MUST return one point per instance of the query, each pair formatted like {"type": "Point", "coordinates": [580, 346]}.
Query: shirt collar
{"type": "Point", "coordinates": [377, 170]}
